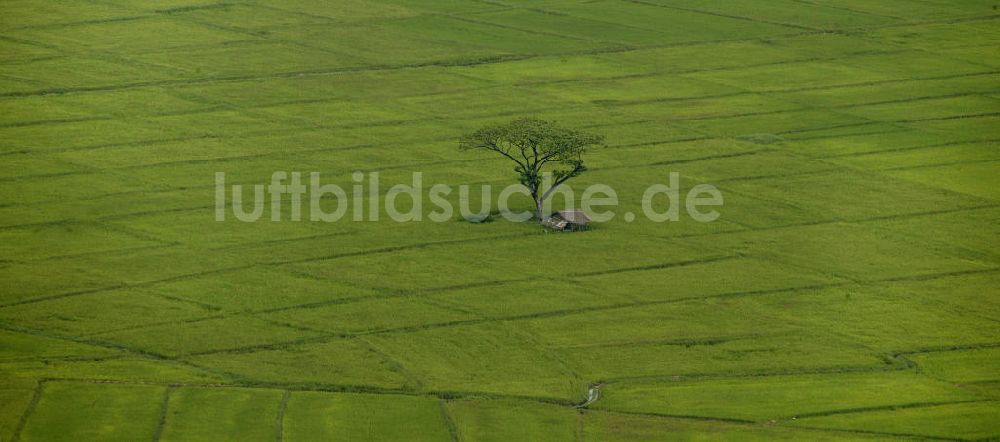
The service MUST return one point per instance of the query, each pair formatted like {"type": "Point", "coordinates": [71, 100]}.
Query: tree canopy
{"type": "Point", "coordinates": [536, 147]}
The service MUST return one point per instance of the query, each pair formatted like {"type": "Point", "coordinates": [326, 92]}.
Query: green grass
{"type": "Point", "coordinates": [114, 368]}
{"type": "Point", "coordinates": [972, 365]}
{"type": "Point", "coordinates": [616, 427]}
{"type": "Point", "coordinates": [16, 396]}
{"type": "Point", "coordinates": [339, 363]}
{"type": "Point", "coordinates": [501, 420]}
{"type": "Point", "coordinates": [758, 399]}
{"type": "Point", "coordinates": [487, 358]}
{"type": "Point", "coordinates": [967, 421]}
{"type": "Point", "coordinates": [350, 417]}
{"type": "Point", "coordinates": [214, 413]}
{"type": "Point", "coordinates": [101, 412]}
{"type": "Point", "coordinates": [848, 291]}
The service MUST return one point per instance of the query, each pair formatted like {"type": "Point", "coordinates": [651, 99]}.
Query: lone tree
{"type": "Point", "coordinates": [536, 146]}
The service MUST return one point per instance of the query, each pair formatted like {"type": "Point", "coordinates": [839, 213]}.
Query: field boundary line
{"type": "Point", "coordinates": [946, 348]}
{"type": "Point", "coordinates": [740, 179]}
{"type": "Point", "coordinates": [209, 108]}
{"type": "Point", "coordinates": [327, 19]}
{"type": "Point", "coordinates": [469, 61]}
{"type": "Point", "coordinates": [559, 13]}
{"type": "Point", "coordinates": [194, 320]}
{"type": "Point", "coordinates": [397, 294]}
{"type": "Point", "coordinates": [415, 246]}
{"type": "Point", "coordinates": [396, 364]}
{"type": "Point", "coordinates": [24, 41]}
{"type": "Point", "coordinates": [67, 358]}
{"type": "Point", "coordinates": [113, 145]}
{"type": "Point", "coordinates": [581, 426]}
{"type": "Point", "coordinates": [948, 118]}
{"type": "Point", "coordinates": [294, 387]}
{"type": "Point", "coordinates": [285, 240]}
{"type": "Point", "coordinates": [569, 312]}
{"type": "Point", "coordinates": [327, 336]}
{"type": "Point", "coordinates": [909, 148]}
{"type": "Point", "coordinates": [891, 129]}
{"type": "Point", "coordinates": [124, 350]}
{"type": "Point", "coordinates": [892, 407]}
{"type": "Point", "coordinates": [860, 121]}
{"type": "Point", "coordinates": [28, 411]}
{"type": "Point", "coordinates": [876, 433]}
{"type": "Point", "coordinates": [695, 342]}
{"type": "Point", "coordinates": [530, 31]}
{"type": "Point", "coordinates": [712, 157]}
{"type": "Point", "coordinates": [894, 361]}
{"type": "Point", "coordinates": [583, 310]}
{"type": "Point", "coordinates": [952, 163]}
{"type": "Point", "coordinates": [186, 188]}
{"type": "Point", "coordinates": [242, 110]}
{"type": "Point", "coordinates": [96, 21]}
{"type": "Point", "coordinates": [164, 411]}
{"type": "Point", "coordinates": [839, 221]}
{"type": "Point", "coordinates": [444, 396]}
{"type": "Point", "coordinates": [687, 160]}
{"type": "Point", "coordinates": [992, 71]}
{"type": "Point", "coordinates": [323, 336]}
{"type": "Point", "coordinates": [63, 295]}
{"type": "Point", "coordinates": [149, 247]}
{"type": "Point", "coordinates": [912, 99]}
{"type": "Point", "coordinates": [284, 324]}
{"type": "Point", "coordinates": [188, 276]}
{"type": "Point", "coordinates": [279, 425]}
{"type": "Point", "coordinates": [875, 175]}
{"type": "Point", "coordinates": [675, 416]}
{"type": "Point", "coordinates": [449, 422]}
{"type": "Point", "coordinates": [667, 265]}
{"type": "Point", "coordinates": [949, 21]}
{"type": "Point", "coordinates": [855, 11]}
{"type": "Point", "coordinates": [755, 424]}
{"type": "Point", "coordinates": [733, 17]}
{"type": "Point", "coordinates": [878, 367]}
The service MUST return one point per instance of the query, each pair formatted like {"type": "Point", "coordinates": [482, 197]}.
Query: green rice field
{"type": "Point", "coordinates": [849, 290]}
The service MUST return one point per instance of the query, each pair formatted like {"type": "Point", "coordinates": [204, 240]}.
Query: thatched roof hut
{"type": "Point", "coordinates": [567, 220]}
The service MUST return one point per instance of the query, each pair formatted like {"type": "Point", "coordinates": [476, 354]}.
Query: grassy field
{"type": "Point", "coordinates": [848, 291]}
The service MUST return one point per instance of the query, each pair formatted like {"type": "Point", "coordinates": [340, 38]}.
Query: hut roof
{"type": "Point", "coordinates": [574, 216]}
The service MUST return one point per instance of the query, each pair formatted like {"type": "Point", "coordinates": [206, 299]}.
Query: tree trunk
{"type": "Point", "coordinates": [538, 209]}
